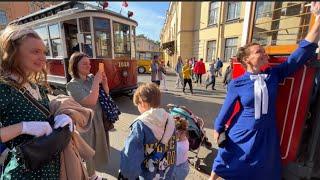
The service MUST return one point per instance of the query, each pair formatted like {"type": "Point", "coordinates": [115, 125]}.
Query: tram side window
{"type": "Point", "coordinates": [85, 30]}
{"type": "Point", "coordinates": [121, 36]}
{"type": "Point", "coordinates": [102, 33]}
{"type": "Point", "coordinates": [55, 40]}
{"type": "Point", "coordinates": [43, 33]}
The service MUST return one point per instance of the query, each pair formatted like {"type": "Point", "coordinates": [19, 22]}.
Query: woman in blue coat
{"type": "Point", "coordinates": [252, 150]}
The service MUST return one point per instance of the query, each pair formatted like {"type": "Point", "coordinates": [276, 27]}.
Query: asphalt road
{"type": "Point", "coordinates": [204, 103]}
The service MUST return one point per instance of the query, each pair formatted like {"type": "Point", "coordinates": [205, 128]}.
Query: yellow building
{"type": "Point", "coordinates": [205, 30]}
{"type": "Point", "coordinates": [146, 49]}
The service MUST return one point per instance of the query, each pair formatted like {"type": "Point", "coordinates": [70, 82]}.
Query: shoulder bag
{"type": "Point", "coordinates": [41, 150]}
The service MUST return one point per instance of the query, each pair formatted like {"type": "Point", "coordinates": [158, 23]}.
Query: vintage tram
{"type": "Point", "coordinates": [279, 26]}
{"type": "Point", "coordinates": [105, 36]}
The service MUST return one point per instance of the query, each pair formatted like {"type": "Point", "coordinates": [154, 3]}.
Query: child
{"type": "Point", "coordinates": [150, 148]}
{"type": "Point", "coordinates": [181, 169]}
{"type": "Point", "coordinates": [186, 73]}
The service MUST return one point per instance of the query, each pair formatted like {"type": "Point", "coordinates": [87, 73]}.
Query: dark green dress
{"type": "Point", "coordinates": [14, 108]}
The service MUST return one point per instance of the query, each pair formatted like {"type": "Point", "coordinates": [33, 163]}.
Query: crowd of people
{"type": "Point", "coordinates": [157, 145]}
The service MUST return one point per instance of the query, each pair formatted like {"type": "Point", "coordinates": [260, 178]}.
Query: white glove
{"type": "Point", "coordinates": [36, 128]}
{"type": "Point", "coordinates": [62, 120]}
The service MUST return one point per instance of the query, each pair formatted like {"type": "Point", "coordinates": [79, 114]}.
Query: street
{"type": "Point", "coordinates": [204, 103]}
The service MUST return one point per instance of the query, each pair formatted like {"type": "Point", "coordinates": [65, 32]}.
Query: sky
{"type": "Point", "coordinates": [149, 15]}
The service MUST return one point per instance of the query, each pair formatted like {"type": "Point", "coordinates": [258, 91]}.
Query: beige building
{"type": "Point", "coordinates": [146, 48]}
{"type": "Point", "coordinates": [205, 30]}
{"type": "Point", "coordinates": [13, 10]}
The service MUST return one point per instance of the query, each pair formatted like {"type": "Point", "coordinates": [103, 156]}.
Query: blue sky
{"type": "Point", "coordinates": [149, 15]}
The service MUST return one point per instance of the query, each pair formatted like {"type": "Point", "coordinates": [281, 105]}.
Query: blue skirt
{"type": "Point", "coordinates": [249, 154]}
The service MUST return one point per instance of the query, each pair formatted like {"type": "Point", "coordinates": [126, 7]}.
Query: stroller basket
{"type": "Point", "coordinates": [195, 133]}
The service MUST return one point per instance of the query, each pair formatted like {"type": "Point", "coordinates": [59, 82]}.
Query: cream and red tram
{"type": "Point", "coordinates": [106, 37]}
{"type": "Point", "coordinates": [279, 26]}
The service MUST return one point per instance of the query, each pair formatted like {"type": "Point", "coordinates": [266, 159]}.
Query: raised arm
{"type": "Point", "coordinates": [313, 35]}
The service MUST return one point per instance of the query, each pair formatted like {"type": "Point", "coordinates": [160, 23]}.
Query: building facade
{"type": "Point", "coordinates": [12, 10]}
{"type": "Point", "coordinates": [146, 48]}
{"type": "Point", "coordinates": [205, 30]}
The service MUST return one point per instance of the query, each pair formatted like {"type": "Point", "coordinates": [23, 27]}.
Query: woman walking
{"type": "Point", "coordinates": [156, 71]}
{"type": "Point", "coordinates": [200, 69]}
{"type": "Point", "coordinates": [252, 149]}
{"type": "Point", "coordinates": [178, 70]}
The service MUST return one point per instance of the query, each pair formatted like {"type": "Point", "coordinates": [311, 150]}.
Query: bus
{"type": "Point", "coordinates": [105, 36]}
{"type": "Point", "coordinates": [144, 59]}
{"type": "Point", "coordinates": [279, 26]}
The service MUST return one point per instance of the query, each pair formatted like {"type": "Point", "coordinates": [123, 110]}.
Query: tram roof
{"type": "Point", "coordinates": [65, 6]}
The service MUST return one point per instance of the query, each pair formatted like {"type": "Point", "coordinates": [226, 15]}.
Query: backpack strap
{"type": "Point", "coordinates": [156, 146]}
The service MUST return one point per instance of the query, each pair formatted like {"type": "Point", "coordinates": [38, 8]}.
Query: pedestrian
{"type": "Point", "coordinates": [212, 77]}
{"type": "Point", "coordinates": [218, 67]}
{"type": "Point", "coordinates": [252, 148]}
{"type": "Point", "coordinates": [150, 148]}
{"type": "Point", "coordinates": [186, 72]}
{"type": "Point", "coordinates": [178, 70]}
{"type": "Point", "coordinates": [181, 169]}
{"type": "Point", "coordinates": [200, 69]}
{"type": "Point", "coordinates": [194, 75]}
{"type": "Point", "coordinates": [23, 88]}
{"type": "Point", "coordinates": [228, 74]}
{"type": "Point", "coordinates": [84, 88]}
{"type": "Point", "coordinates": [164, 77]}
{"type": "Point", "coordinates": [156, 70]}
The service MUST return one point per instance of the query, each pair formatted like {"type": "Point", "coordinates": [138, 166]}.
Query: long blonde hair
{"type": "Point", "coordinates": [10, 41]}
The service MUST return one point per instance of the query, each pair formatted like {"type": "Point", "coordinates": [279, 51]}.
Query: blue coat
{"type": "Point", "coordinates": [139, 145]}
{"type": "Point", "coordinates": [253, 149]}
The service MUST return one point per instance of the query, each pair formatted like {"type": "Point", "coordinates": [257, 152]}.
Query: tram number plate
{"type": "Point", "coordinates": [123, 64]}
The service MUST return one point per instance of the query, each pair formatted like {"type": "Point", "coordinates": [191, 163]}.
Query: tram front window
{"type": "Point", "coordinates": [102, 37]}
{"type": "Point", "coordinates": [121, 36]}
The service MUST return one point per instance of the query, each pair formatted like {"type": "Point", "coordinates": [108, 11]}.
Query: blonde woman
{"type": "Point", "coordinates": [23, 60]}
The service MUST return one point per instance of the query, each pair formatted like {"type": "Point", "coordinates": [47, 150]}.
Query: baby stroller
{"type": "Point", "coordinates": [197, 135]}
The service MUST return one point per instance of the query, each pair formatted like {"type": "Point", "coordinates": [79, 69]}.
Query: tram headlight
{"type": "Point", "coordinates": [125, 73]}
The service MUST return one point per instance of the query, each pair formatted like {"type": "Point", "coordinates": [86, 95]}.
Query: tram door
{"type": "Point", "coordinates": [71, 31]}
{"type": "Point", "coordinates": [71, 42]}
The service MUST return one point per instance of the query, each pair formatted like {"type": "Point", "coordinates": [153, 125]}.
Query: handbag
{"type": "Point", "coordinates": [222, 139]}
{"type": "Point", "coordinates": [41, 150]}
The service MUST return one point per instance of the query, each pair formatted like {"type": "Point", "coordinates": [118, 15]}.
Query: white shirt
{"type": "Point", "coordinates": [182, 151]}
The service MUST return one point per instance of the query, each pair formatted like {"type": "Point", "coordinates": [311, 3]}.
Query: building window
{"type": "Point", "coordinates": [121, 36]}
{"type": "Point", "coordinates": [102, 37]}
{"type": "Point", "coordinates": [233, 10]}
{"type": "Point", "coordinates": [55, 40]}
{"type": "Point", "coordinates": [3, 18]}
{"type": "Point", "coordinates": [43, 33]}
{"type": "Point", "coordinates": [213, 13]}
{"type": "Point", "coordinates": [211, 50]}
{"type": "Point", "coordinates": [230, 48]}
{"type": "Point", "coordinates": [86, 45]}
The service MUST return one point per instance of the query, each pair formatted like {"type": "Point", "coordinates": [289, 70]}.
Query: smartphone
{"type": "Point", "coordinates": [101, 67]}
